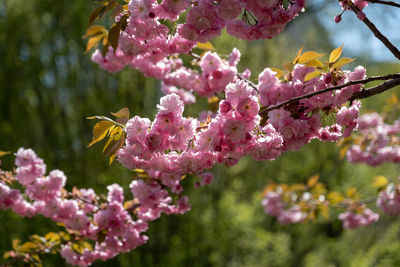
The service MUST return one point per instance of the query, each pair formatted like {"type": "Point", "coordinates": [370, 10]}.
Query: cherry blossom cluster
{"type": "Point", "coordinates": [353, 220]}
{"type": "Point", "coordinates": [389, 199]}
{"type": "Point", "coordinates": [172, 145]}
{"type": "Point", "coordinates": [300, 122]}
{"type": "Point", "coordinates": [82, 211]}
{"type": "Point", "coordinates": [376, 141]}
{"type": "Point", "coordinates": [275, 206]}
{"type": "Point", "coordinates": [300, 202]}
{"type": "Point", "coordinates": [146, 43]}
{"type": "Point", "coordinates": [215, 75]}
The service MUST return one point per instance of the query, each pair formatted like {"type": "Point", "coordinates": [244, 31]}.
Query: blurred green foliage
{"type": "Point", "coordinates": [48, 86]}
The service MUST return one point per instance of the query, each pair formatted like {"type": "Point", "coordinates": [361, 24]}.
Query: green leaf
{"type": "Point", "coordinates": [335, 54]}
{"type": "Point", "coordinates": [341, 62]}
{"type": "Point", "coordinates": [100, 131]}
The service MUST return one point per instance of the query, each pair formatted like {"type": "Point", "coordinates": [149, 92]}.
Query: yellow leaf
{"type": "Point", "coordinates": [297, 56]}
{"type": "Point", "coordinates": [78, 248]}
{"type": "Point", "coordinates": [314, 63]}
{"type": "Point", "coordinates": [122, 113]}
{"type": "Point", "coordinates": [3, 153]}
{"type": "Point", "coordinates": [87, 245]}
{"type": "Point", "coordinates": [341, 62]}
{"type": "Point", "coordinates": [120, 144]}
{"type": "Point", "coordinates": [352, 193]}
{"type": "Point", "coordinates": [93, 42]}
{"type": "Point", "coordinates": [27, 246]}
{"type": "Point", "coordinates": [114, 143]}
{"type": "Point", "coordinates": [297, 187]}
{"type": "Point", "coordinates": [94, 30]}
{"type": "Point", "coordinates": [318, 189]}
{"type": "Point", "coordinates": [335, 197]}
{"type": "Point", "coordinates": [128, 204]}
{"type": "Point", "coordinates": [288, 66]}
{"type": "Point", "coordinates": [324, 210]}
{"type": "Point", "coordinates": [335, 54]}
{"type": "Point", "coordinates": [52, 237]}
{"type": "Point", "coordinates": [312, 180]}
{"type": "Point", "coordinates": [393, 99]}
{"type": "Point", "coordinates": [279, 72]}
{"type": "Point", "coordinates": [308, 56]}
{"type": "Point", "coordinates": [100, 131]}
{"type": "Point", "coordinates": [6, 255]}
{"type": "Point", "coordinates": [15, 243]}
{"type": "Point", "coordinates": [312, 75]}
{"type": "Point", "coordinates": [270, 187]}
{"type": "Point", "coordinates": [138, 170]}
{"type": "Point", "coordinates": [205, 46]}
{"type": "Point", "coordinates": [343, 151]}
{"type": "Point", "coordinates": [380, 181]}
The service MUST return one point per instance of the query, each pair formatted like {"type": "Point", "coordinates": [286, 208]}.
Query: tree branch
{"type": "Point", "coordinates": [389, 3]}
{"type": "Point", "coordinates": [380, 36]}
{"type": "Point", "coordinates": [393, 77]}
{"type": "Point", "coordinates": [252, 85]}
{"type": "Point", "coordinates": [376, 89]}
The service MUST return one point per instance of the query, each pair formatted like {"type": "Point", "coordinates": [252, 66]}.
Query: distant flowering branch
{"type": "Point", "coordinates": [394, 81]}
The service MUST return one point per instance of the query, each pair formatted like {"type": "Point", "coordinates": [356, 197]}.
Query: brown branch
{"type": "Point", "coordinates": [382, 38]}
{"type": "Point", "coordinates": [395, 76]}
{"type": "Point", "coordinates": [376, 89]}
{"type": "Point", "coordinates": [377, 33]}
{"type": "Point", "coordinates": [389, 3]}
{"type": "Point", "coordinates": [252, 85]}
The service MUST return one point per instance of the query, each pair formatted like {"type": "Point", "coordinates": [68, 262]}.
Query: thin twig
{"type": "Point", "coordinates": [389, 3]}
{"type": "Point", "coordinates": [394, 76]}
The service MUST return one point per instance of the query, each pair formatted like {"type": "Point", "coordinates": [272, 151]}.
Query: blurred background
{"type": "Point", "coordinates": [48, 87]}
